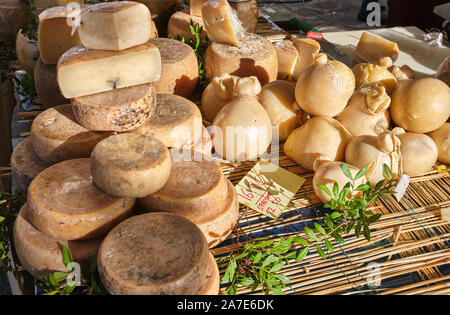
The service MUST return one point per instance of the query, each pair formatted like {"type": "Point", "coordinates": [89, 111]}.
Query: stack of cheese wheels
{"type": "Point", "coordinates": [157, 254]}
{"type": "Point", "coordinates": [197, 190]}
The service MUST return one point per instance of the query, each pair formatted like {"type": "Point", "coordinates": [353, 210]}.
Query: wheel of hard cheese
{"type": "Point", "coordinates": [27, 52]}
{"type": "Point", "coordinates": [41, 255]}
{"type": "Point", "coordinates": [176, 121]}
{"type": "Point", "coordinates": [130, 165]}
{"type": "Point", "coordinates": [11, 18]}
{"type": "Point", "coordinates": [25, 165]}
{"type": "Point", "coordinates": [117, 110]}
{"type": "Point", "coordinates": [154, 253]}
{"type": "Point", "coordinates": [211, 285]}
{"type": "Point", "coordinates": [255, 56]}
{"type": "Point", "coordinates": [179, 25]}
{"type": "Point", "coordinates": [63, 202]}
{"type": "Point", "coordinates": [47, 85]}
{"type": "Point", "coordinates": [196, 189]}
{"type": "Point", "coordinates": [57, 136]}
{"type": "Point", "coordinates": [179, 67]}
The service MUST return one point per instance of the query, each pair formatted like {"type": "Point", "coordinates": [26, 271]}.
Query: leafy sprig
{"type": "Point", "coordinates": [30, 28]}
{"type": "Point", "coordinates": [26, 88]}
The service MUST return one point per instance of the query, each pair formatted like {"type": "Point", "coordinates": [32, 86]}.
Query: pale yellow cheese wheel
{"type": "Point", "coordinates": [46, 85]}
{"type": "Point", "coordinates": [117, 110]}
{"type": "Point", "coordinates": [41, 255]}
{"type": "Point", "coordinates": [130, 165]}
{"type": "Point", "coordinates": [63, 202]}
{"type": "Point", "coordinates": [156, 254]}
{"type": "Point", "coordinates": [27, 52]}
{"type": "Point", "coordinates": [57, 136]}
{"type": "Point", "coordinates": [179, 67]}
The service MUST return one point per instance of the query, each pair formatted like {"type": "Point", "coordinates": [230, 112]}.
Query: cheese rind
{"type": "Point", "coordinates": [371, 48]}
{"type": "Point", "coordinates": [133, 66]}
{"type": "Point", "coordinates": [287, 56]}
{"type": "Point", "coordinates": [56, 136]}
{"type": "Point", "coordinates": [154, 253]}
{"type": "Point", "coordinates": [25, 164]}
{"type": "Point", "coordinates": [256, 56]}
{"type": "Point", "coordinates": [195, 7]}
{"type": "Point", "coordinates": [46, 85]}
{"type": "Point", "coordinates": [11, 18]}
{"type": "Point", "coordinates": [307, 51]}
{"type": "Point", "coordinates": [211, 285]}
{"type": "Point", "coordinates": [27, 52]}
{"type": "Point", "coordinates": [179, 25]}
{"type": "Point", "coordinates": [130, 165]}
{"type": "Point", "coordinates": [55, 34]}
{"type": "Point", "coordinates": [115, 25]}
{"type": "Point", "coordinates": [117, 110]}
{"type": "Point", "coordinates": [179, 67]}
{"type": "Point", "coordinates": [63, 202]}
{"type": "Point", "coordinates": [41, 255]}
{"type": "Point", "coordinates": [177, 121]}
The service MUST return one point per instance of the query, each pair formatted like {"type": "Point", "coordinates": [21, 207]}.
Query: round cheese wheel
{"type": "Point", "coordinates": [211, 285]}
{"type": "Point", "coordinates": [256, 56]}
{"type": "Point", "coordinates": [179, 67]}
{"type": "Point", "coordinates": [47, 85]}
{"type": "Point", "coordinates": [116, 110]}
{"type": "Point", "coordinates": [27, 52]}
{"type": "Point", "coordinates": [56, 135]}
{"type": "Point", "coordinates": [154, 253]}
{"type": "Point", "coordinates": [176, 121]}
{"type": "Point", "coordinates": [25, 165]}
{"type": "Point", "coordinates": [11, 18]}
{"type": "Point", "coordinates": [63, 202]}
{"type": "Point", "coordinates": [194, 188]}
{"type": "Point", "coordinates": [179, 25]}
{"type": "Point", "coordinates": [41, 255]}
{"type": "Point", "coordinates": [130, 165]}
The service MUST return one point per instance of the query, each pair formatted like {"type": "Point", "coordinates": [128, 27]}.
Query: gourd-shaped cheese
{"type": "Point", "coordinates": [179, 22]}
{"type": "Point", "coordinates": [64, 203]}
{"type": "Point", "coordinates": [117, 110]}
{"type": "Point", "coordinates": [217, 94]}
{"type": "Point", "coordinates": [27, 52]}
{"type": "Point", "coordinates": [287, 59]}
{"type": "Point", "coordinates": [368, 74]}
{"type": "Point", "coordinates": [41, 255]}
{"type": "Point", "coordinates": [307, 51]}
{"type": "Point", "coordinates": [46, 85]}
{"type": "Point", "coordinates": [115, 25]}
{"type": "Point", "coordinates": [419, 153]}
{"type": "Point", "coordinates": [124, 68]}
{"type": "Point", "coordinates": [179, 67]}
{"type": "Point", "coordinates": [443, 72]}
{"type": "Point", "coordinates": [441, 137]}
{"type": "Point", "coordinates": [156, 254]}
{"type": "Point", "coordinates": [371, 48]}
{"type": "Point", "coordinates": [56, 136]}
{"type": "Point", "coordinates": [130, 165]}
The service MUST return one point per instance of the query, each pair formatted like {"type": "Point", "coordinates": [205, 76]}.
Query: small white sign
{"type": "Point", "coordinates": [402, 185]}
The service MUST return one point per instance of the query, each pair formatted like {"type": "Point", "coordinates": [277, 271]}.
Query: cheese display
{"type": "Point", "coordinates": [130, 165]}
{"type": "Point", "coordinates": [371, 48]}
{"type": "Point", "coordinates": [117, 110]}
{"type": "Point", "coordinates": [367, 74]}
{"type": "Point", "coordinates": [221, 22]}
{"type": "Point", "coordinates": [176, 122]}
{"type": "Point", "coordinates": [287, 56]}
{"type": "Point", "coordinates": [307, 51]}
{"type": "Point", "coordinates": [325, 88]}
{"type": "Point", "coordinates": [115, 25]}
{"type": "Point", "coordinates": [25, 165]}
{"type": "Point", "coordinates": [211, 285]}
{"type": "Point", "coordinates": [41, 255]}
{"type": "Point", "coordinates": [55, 34]}
{"type": "Point", "coordinates": [278, 98]}
{"type": "Point", "coordinates": [57, 136]}
{"type": "Point", "coordinates": [217, 94]}
{"type": "Point", "coordinates": [46, 85]}
{"type": "Point", "coordinates": [421, 105]}
{"type": "Point", "coordinates": [154, 254]}
{"type": "Point", "coordinates": [195, 7]}
{"type": "Point", "coordinates": [255, 56]}
{"type": "Point", "coordinates": [54, 3]}
{"type": "Point", "coordinates": [179, 67]}
{"type": "Point", "coordinates": [11, 18]}
{"type": "Point", "coordinates": [27, 52]}
{"type": "Point", "coordinates": [441, 137]}
{"type": "Point", "coordinates": [64, 203]}
{"type": "Point", "coordinates": [247, 12]}
{"type": "Point", "coordinates": [133, 66]}
{"type": "Point", "coordinates": [179, 22]}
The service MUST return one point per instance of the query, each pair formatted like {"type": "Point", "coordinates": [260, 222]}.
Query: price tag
{"type": "Point", "coordinates": [268, 188]}
{"type": "Point", "coordinates": [402, 185]}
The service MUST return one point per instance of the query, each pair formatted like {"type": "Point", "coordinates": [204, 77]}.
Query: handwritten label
{"type": "Point", "coordinates": [402, 185]}
{"type": "Point", "coordinates": [268, 188]}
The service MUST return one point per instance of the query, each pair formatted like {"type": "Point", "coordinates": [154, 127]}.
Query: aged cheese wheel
{"type": "Point", "coordinates": [154, 253]}
{"type": "Point", "coordinates": [179, 67]}
{"type": "Point", "coordinates": [27, 52]}
{"type": "Point", "coordinates": [194, 188]}
{"type": "Point", "coordinates": [11, 18]}
{"type": "Point", "coordinates": [41, 255]}
{"type": "Point", "coordinates": [56, 135]}
{"type": "Point", "coordinates": [117, 110]}
{"type": "Point", "coordinates": [25, 164]}
{"type": "Point", "coordinates": [63, 202]}
{"type": "Point", "coordinates": [255, 56]}
{"type": "Point", "coordinates": [130, 165]}
{"type": "Point", "coordinates": [247, 12]}
{"type": "Point", "coordinates": [176, 122]}
{"type": "Point", "coordinates": [47, 85]}
{"type": "Point", "coordinates": [211, 285]}
{"type": "Point", "coordinates": [179, 25]}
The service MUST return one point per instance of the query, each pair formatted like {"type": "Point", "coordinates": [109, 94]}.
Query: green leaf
{"type": "Point", "coordinates": [269, 260]}
{"type": "Point", "coordinates": [300, 241]}
{"type": "Point", "coordinates": [277, 267]}
{"type": "Point", "coordinates": [311, 234]}
{"type": "Point", "coordinates": [67, 257]}
{"type": "Point", "coordinates": [336, 190]}
{"type": "Point", "coordinates": [363, 187]}
{"type": "Point", "coordinates": [374, 218]}
{"type": "Point", "coordinates": [321, 252]}
{"type": "Point", "coordinates": [379, 184]}
{"type": "Point", "coordinates": [343, 195]}
{"type": "Point", "coordinates": [320, 229]}
{"type": "Point", "coordinates": [246, 282]}
{"type": "Point", "coordinates": [329, 245]}
{"type": "Point", "coordinates": [361, 173]}
{"type": "Point", "coordinates": [338, 237]}
{"type": "Point", "coordinates": [264, 244]}
{"type": "Point", "coordinates": [257, 258]}
{"type": "Point", "coordinates": [387, 172]}
{"type": "Point", "coordinates": [346, 171]}
{"type": "Point", "coordinates": [59, 276]}
{"type": "Point", "coordinates": [367, 232]}
{"type": "Point", "coordinates": [2, 219]}
{"type": "Point", "coordinates": [336, 215]}
{"type": "Point", "coordinates": [302, 254]}
{"type": "Point", "coordinates": [229, 272]}
{"type": "Point", "coordinates": [282, 278]}
{"type": "Point", "coordinates": [325, 189]}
